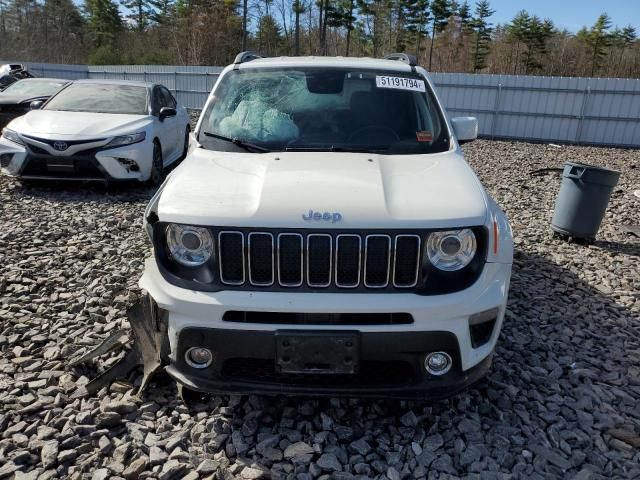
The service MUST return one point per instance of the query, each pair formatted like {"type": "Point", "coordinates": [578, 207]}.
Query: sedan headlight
{"type": "Point", "coordinates": [123, 140]}
{"type": "Point", "coordinates": [12, 136]}
{"type": "Point", "coordinates": [189, 246]}
{"type": "Point", "coordinates": [451, 250]}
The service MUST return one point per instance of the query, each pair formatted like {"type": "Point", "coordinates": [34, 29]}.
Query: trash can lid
{"type": "Point", "coordinates": [591, 173]}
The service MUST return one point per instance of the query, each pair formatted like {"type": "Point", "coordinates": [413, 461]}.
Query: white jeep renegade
{"type": "Point", "coordinates": [325, 236]}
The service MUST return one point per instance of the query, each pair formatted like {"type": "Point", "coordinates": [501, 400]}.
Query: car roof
{"type": "Point", "coordinates": [115, 82]}
{"type": "Point", "coordinates": [348, 62]}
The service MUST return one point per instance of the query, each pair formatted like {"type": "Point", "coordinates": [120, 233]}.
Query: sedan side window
{"type": "Point", "coordinates": [158, 101]}
{"type": "Point", "coordinates": [169, 101]}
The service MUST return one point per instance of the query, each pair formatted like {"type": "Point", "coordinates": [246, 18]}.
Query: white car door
{"type": "Point", "coordinates": [173, 123]}
{"type": "Point", "coordinates": [165, 127]}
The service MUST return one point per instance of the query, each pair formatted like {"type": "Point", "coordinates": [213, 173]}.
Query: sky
{"type": "Point", "coordinates": [569, 14]}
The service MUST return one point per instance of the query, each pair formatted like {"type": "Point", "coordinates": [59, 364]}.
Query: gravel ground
{"type": "Point", "coordinates": [562, 399]}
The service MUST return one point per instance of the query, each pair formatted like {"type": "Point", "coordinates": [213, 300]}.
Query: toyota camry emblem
{"type": "Point", "coordinates": [60, 146]}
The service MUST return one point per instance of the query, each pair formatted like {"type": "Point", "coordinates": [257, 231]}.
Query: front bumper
{"type": "Point", "coordinates": [391, 356]}
{"type": "Point", "coordinates": [114, 164]}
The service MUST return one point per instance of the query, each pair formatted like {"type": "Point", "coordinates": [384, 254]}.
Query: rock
{"type": "Point", "coordinates": [49, 453]}
{"type": "Point", "coordinates": [409, 419]}
{"type": "Point", "coordinates": [120, 407]}
{"type": "Point", "coordinates": [157, 456]}
{"type": "Point", "coordinates": [297, 449]}
{"type": "Point", "coordinates": [135, 468]}
{"type": "Point", "coordinates": [207, 466]}
{"type": "Point", "coordinates": [329, 462]}
{"type": "Point", "coordinates": [551, 457]}
{"type": "Point", "coordinates": [250, 473]}
{"type": "Point", "coordinates": [101, 474]}
{"type": "Point", "coordinates": [361, 446]}
{"type": "Point", "coordinates": [173, 469]}
{"type": "Point", "coordinates": [108, 419]}
{"type": "Point", "coordinates": [67, 456]}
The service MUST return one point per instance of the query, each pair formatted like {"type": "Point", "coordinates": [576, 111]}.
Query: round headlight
{"type": "Point", "coordinates": [189, 246]}
{"type": "Point", "coordinates": [451, 250]}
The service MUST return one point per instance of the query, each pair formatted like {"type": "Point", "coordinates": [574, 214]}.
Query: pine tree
{"type": "Point", "coordinates": [142, 12]}
{"type": "Point", "coordinates": [104, 22]}
{"type": "Point", "coordinates": [416, 20]}
{"type": "Point", "coordinates": [598, 39]}
{"type": "Point", "coordinates": [482, 30]}
{"type": "Point", "coordinates": [440, 13]}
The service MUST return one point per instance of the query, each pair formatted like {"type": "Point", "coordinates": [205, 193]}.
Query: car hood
{"type": "Point", "coordinates": [17, 99]}
{"type": "Point", "coordinates": [278, 190]}
{"type": "Point", "coordinates": [52, 123]}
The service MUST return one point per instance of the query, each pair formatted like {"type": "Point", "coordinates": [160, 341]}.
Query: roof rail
{"type": "Point", "coordinates": [403, 57]}
{"type": "Point", "coordinates": [243, 57]}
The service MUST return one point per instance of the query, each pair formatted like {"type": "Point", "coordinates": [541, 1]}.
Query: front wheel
{"type": "Point", "coordinates": [157, 169]}
{"type": "Point", "coordinates": [185, 148]}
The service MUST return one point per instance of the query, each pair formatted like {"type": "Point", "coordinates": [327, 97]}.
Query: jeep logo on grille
{"type": "Point", "coordinates": [332, 217]}
{"type": "Point", "coordinates": [60, 146]}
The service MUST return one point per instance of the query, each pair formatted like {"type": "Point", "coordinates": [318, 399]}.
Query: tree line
{"type": "Point", "coordinates": [445, 35]}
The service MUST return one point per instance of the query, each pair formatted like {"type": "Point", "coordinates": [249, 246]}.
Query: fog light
{"type": "Point", "coordinates": [198, 357]}
{"type": "Point", "coordinates": [438, 363]}
{"type": "Point", "coordinates": [129, 164]}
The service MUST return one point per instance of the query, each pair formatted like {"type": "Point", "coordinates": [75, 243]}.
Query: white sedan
{"type": "Point", "coordinates": [98, 130]}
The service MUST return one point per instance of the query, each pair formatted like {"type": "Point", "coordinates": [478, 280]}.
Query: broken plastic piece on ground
{"type": "Point", "coordinates": [636, 193]}
{"type": "Point", "coordinates": [112, 342]}
{"type": "Point", "coordinates": [145, 351]}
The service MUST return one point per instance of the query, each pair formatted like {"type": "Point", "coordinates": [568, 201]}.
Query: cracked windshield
{"type": "Point", "coordinates": [324, 110]}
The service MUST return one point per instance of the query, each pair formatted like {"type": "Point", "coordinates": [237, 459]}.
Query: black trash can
{"type": "Point", "coordinates": [582, 200]}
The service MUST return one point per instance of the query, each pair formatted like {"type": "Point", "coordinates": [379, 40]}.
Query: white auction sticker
{"type": "Point", "coordinates": [401, 83]}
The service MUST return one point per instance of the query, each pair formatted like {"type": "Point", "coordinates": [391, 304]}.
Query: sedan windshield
{"type": "Point", "coordinates": [312, 109]}
{"type": "Point", "coordinates": [34, 88]}
{"type": "Point", "coordinates": [101, 98]}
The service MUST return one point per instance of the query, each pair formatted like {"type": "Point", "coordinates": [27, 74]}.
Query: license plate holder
{"type": "Point", "coordinates": [61, 166]}
{"type": "Point", "coordinates": [317, 352]}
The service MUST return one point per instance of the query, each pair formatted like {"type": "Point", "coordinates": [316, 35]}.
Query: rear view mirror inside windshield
{"type": "Point", "coordinates": [328, 82]}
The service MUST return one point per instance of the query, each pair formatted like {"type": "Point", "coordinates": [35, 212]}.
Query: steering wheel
{"type": "Point", "coordinates": [375, 128]}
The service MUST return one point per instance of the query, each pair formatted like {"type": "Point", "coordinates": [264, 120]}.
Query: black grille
{"type": "Point", "coordinates": [290, 262]}
{"type": "Point", "coordinates": [319, 253]}
{"type": "Point", "coordinates": [318, 260]}
{"type": "Point", "coordinates": [377, 254]}
{"type": "Point", "coordinates": [292, 318]}
{"type": "Point", "coordinates": [231, 257]}
{"type": "Point", "coordinates": [405, 269]}
{"type": "Point", "coordinates": [261, 256]}
{"type": "Point", "coordinates": [75, 166]}
{"type": "Point", "coordinates": [372, 373]}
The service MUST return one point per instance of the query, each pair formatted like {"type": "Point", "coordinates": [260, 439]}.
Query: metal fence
{"type": "Point", "coordinates": [598, 111]}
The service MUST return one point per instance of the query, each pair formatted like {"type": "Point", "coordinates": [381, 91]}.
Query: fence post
{"type": "Point", "coordinates": [496, 112]}
{"type": "Point", "coordinates": [583, 108]}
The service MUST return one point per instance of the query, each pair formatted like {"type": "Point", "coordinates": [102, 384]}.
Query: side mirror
{"type": "Point", "coordinates": [36, 104]}
{"type": "Point", "coordinates": [167, 112]}
{"type": "Point", "coordinates": [465, 128]}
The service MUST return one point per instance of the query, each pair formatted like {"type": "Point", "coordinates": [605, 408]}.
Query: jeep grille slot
{"type": "Point", "coordinates": [405, 263]}
{"type": "Point", "coordinates": [319, 254]}
{"type": "Point", "coordinates": [318, 260]}
{"type": "Point", "coordinates": [231, 246]}
{"type": "Point", "coordinates": [377, 253]}
{"type": "Point", "coordinates": [348, 249]}
{"type": "Point", "coordinates": [261, 254]}
{"type": "Point", "coordinates": [290, 264]}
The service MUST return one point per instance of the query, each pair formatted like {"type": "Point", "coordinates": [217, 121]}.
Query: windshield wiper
{"type": "Point", "coordinates": [336, 148]}
{"type": "Point", "coordinates": [236, 141]}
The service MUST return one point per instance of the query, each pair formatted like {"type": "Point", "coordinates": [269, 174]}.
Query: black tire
{"type": "Point", "coordinates": [157, 169]}
{"type": "Point", "coordinates": [185, 148]}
